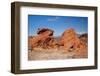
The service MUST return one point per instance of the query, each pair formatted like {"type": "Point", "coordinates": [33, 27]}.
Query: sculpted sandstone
{"type": "Point", "coordinates": [69, 41]}
{"type": "Point", "coordinates": [44, 39]}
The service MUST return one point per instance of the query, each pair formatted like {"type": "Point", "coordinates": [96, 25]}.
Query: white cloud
{"type": "Point", "coordinates": [53, 19]}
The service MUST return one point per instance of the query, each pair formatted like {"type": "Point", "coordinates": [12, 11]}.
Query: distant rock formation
{"type": "Point", "coordinates": [84, 37]}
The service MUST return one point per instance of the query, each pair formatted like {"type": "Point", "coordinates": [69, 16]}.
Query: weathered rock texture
{"type": "Point", "coordinates": [44, 39]}
{"type": "Point", "coordinates": [69, 39]}
{"type": "Point", "coordinates": [71, 42]}
{"type": "Point", "coordinates": [68, 42]}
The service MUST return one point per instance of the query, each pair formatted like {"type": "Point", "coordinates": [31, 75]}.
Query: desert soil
{"type": "Point", "coordinates": [53, 54]}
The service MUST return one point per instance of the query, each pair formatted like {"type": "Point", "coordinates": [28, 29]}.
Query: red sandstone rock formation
{"type": "Point", "coordinates": [71, 42]}
{"type": "Point", "coordinates": [44, 39]}
{"type": "Point", "coordinates": [69, 39]}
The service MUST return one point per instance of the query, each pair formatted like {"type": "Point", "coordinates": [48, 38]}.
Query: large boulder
{"type": "Point", "coordinates": [69, 39]}
{"type": "Point", "coordinates": [72, 43]}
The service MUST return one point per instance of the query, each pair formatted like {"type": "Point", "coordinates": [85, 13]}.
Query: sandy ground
{"type": "Point", "coordinates": [53, 54]}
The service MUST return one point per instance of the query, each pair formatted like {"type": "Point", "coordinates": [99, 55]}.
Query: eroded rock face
{"type": "Point", "coordinates": [44, 39]}
{"type": "Point", "coordinates": [69, 39]}
{"type": "Point", "coordinates": [71, 42]}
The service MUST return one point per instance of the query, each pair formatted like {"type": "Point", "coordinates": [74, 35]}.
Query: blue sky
{"type": "Point", "coordinates": [57, 23]}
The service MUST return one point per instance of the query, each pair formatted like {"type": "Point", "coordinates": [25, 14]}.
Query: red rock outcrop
{"type": "Point", "coordinates": [71, 42]}
{"type": "Point", "coordinates": [44, 39]}
{"type": "Point", "coordinates": [68, 42]}
{"type": "Point", "coordinates": [69, 39]}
